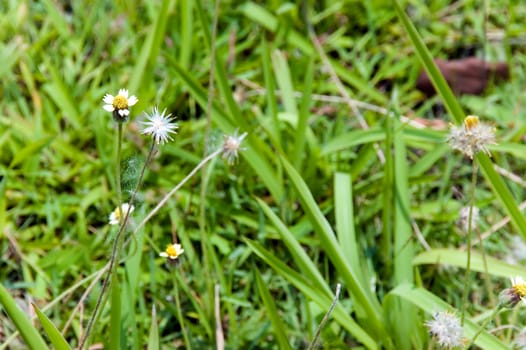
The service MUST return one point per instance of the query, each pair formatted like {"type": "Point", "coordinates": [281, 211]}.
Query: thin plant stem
{"type": "Point", "coordinates": [469, 234]}
{"type": "Point", "coordinates": [179, 312]}
{"type": "Point", "coordinates": [483, 326]}
{"type": "Point", "coordinates": [487, 278]}
{"type": "Point", "coordinates": [220, 338]}
{"type": "Point", "coordinates": [116, 251]}
{"type": "Point", "coordinates": [176, 188]}
{"type": "Point", "coordinates": [118, 165]}
{"type": "Point", "coordinates": [204, 183]}
{"type": "Point", "coordinates": [326, 317]}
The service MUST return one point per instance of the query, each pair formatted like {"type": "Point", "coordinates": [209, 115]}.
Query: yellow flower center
{"type": "Point", "coordinates": [118, 214]}
{"type": "Point", "coordinates": [120, 102]}
{"type": "Point", "coordinates": [171, 251]}
{"type": "Point", "coordinates": [520, 289]}
{"type": "Point", "coordinates": [470, 122]}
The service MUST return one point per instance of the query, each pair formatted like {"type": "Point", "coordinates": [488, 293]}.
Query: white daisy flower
{"type": "Point", "coordinates": [232, 145]}
{"type": "Point", "coordinates": [120, 213]}
{"type": "Point", "coordinates": [172, 252]}
{"type": "Point", "coordinates": [119, 105]}
{"type": "Point", "coordinates": [159, 126]}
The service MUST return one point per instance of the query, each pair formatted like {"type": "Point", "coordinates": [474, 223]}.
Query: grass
{"type": "Point", "coordinates": [313, 200]}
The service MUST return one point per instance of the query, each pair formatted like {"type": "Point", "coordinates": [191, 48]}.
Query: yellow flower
{"type": "Point", "coordinates": [172, 252]}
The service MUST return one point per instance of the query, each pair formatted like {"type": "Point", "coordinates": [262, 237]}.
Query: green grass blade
{"type": "Point", "coordinates": [406, 322]}
{"type": "Point", "coordinates": [187, 25]}
{"type": "Point", "coordinates": [353, 138]}
{"type": "Point", "coordinates": [303, 117]}
{"type": "Point", "coordinates": [403, 245]}
{"type": "Point", "coordinates": [30, 335]}
{"type": "Point", "coordinates": [305, 264]}
{"type": "Point", "coordinates": [56, 338]}
{"type": "Point", "coordinates": [430, 303]}
{"type": "Point", "coordinates": [284, 80]}
{"type": "Point", "coordinates": [270, 85]}
{"type": "Point", "coordinates": [151, 47]}
{"type": "Point", "coordinates": [440, 84]}
{"type": "Point", "coordinates": [502, 192]}
{"type": "Point", "coordinates": [253, 153]}
{"type": "Point", "coordinates": [272, 312]}
{"type": "Point", "coordinates": [115, 315]}
{"type": "Point", "coordinates": [458, 258]}
{"type": "Point", "coordinates": [30, 150]}
{"type": "Point", "coordinates": [263, 17]}
{"type": "Point", "coordinates": [153, 338]}
{"type": "Point", "coordinates": [344, 216]}
{"type": "Point", "coordinates": [330, 245]}
{"type": "Point", "coordinates": [340, 314]}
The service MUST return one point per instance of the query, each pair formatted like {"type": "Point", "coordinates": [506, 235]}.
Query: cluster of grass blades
{"type": "Point", "coordinates": [335, 184]}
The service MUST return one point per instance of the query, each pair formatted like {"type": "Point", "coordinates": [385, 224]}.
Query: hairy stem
{"type": "Point", "coordinates": [465, 292]}
{"type": "Point", "coordinates": [116, 251]}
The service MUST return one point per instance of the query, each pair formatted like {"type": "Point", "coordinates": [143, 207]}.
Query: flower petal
{"type": "Point", "coordinates": [123, 93]}
{"type": "Point", "coordinates": [108, 99]}
{"type": "Point", "coordinates": [132, 100]}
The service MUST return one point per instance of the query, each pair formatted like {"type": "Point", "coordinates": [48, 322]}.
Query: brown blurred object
{"type": "Point", "coordinates": [465, 76]}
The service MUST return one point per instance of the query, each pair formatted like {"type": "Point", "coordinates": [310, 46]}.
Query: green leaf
{"type": "Point", "coordinates": [150, 49]}
{"type": "Point", "coordinates": [253, 153]}
{"type": "Point", "coordinates": [31, 150]}
{"type": "Point", "coordinates": [272, 312]}
{"type": "Point", "coordinates": [263, 17]}
{"type": "Point", "coordinates": [153, 339]}
{"type": "Point", "coordinates": [115, 314]}
{"type": "Point", "coordinates": [430, 303]}
{"type": "Point", "coordinates": [30, 335]}
{"type": "Point", "coordinates": [56, 338]}
{"type": "Point", "coordinates": [458, 258]}
{"type": "Point", "coordinates": [344, 216]}
{"type": "Point", "coordinates": [340, 314]}
{"type": "Point", "coordinates": [330, 245]}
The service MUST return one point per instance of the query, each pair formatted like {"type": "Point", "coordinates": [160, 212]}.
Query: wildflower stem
{"type": "Point", "coordinates": [469, 234]}
{"type": "Point", "coordinates": [326, 317]}
{"type": "Point", "coordinates": [118, 165]}
{"type": "Point", "coordinates": [116, 250]}
{"type": "Point", "coordinates": [483, 326]}
{"type": "Point", "coordinates": [204, 177]}
{"type": "Point", "coordinates": [179, 312]}
{"type": "Point", "coordinates": [176, 188]}
{"type": "Point", "coordinates": [487, 279]}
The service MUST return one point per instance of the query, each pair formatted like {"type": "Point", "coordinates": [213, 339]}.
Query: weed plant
{"type": "Point", "coordinates": [259, 175]}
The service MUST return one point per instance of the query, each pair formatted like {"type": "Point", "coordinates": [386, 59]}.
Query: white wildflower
{"type": "Point", "coordinates": [159, 126]}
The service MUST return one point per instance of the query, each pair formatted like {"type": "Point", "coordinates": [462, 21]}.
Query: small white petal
{"type": "Point", "coordinates": [108, 99]}
{"type": "Point", "coordinates": [163, 254]}
{"type": "Point", "coordinates": [132, 100]}
{"type": "Point", "coordinates": [123, 93]}
{"type": "Point", "coordinates": [109, 108]}
{"type": "Point", "coordinates": [124, 112]}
